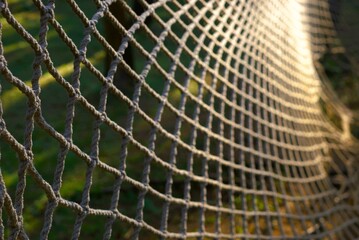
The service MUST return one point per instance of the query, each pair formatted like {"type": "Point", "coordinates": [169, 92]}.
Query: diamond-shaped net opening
{"type": "Point", "coordinates": [183, 119]}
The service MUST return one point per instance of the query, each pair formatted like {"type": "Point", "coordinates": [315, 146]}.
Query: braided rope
{"type": "Point", "coordinates": [223, 123]}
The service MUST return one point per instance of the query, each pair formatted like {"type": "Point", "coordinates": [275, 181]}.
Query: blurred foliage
{"type": "Point", "coordinates": [344, 78]}
{"type": "Point", "coordinates": [20, 57]}
{"type": "Point", "coordinates": [54, 99]}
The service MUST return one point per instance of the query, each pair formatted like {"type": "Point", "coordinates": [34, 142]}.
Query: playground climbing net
{"type": "Point", "coordinates": [220, 127]}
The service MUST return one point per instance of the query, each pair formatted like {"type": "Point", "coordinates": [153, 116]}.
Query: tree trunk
{"type": "Point", "coordinates": [121, 79]}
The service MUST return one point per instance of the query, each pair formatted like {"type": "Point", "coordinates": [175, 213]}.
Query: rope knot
{"type": "Point", "coordinates": [163, 99]}
{"type": "Point", "coordinates": [108, 81]}
{"type": "Point", "coordinates": [157, 125]}
{"type": "Point", "coordinates": [135, 106]}
{"type": "Point", "coordinates": [37, 103]}
{"type": "Point", "coordinates": [45, 56]}
{"type": "Point", "coordinates": [55, 201]}
{"type": "Point", "coordinates": [82, 56]}
{"type": "Point", "coordinates": [94, 162]}
{"type": "Point", "coordinates": [85, 211]}
{"type": "Point", "coordinates": [119, 57]}
{"type": "Point", "coordinates": [77, 94]}
{"type": "Point", "coordinates": [3, 5]}
{"type": "Point", "coordinates": [57, 197]}
{"type": "Point", "coordinates": [103, 116]}
{"type": "Point", "coordinates": [49, 12]}
{"type": "Point", "coordinates": [129, 133]}
{"type": "Point", "coordinates": [142, 78]}
{"type": "Point", "coordinates": [92, 25]}
{"type": "Point", "coordinates": [122, 174]}
{"type": "Point", "coordinates": [169, 197]}
{"type": "Point", "coordinates": [2, 125]}
{"type": "Point", "coordinates": [105, 4]}
{"type": "Point", "coordinates": [146, 188]}
{"type": "Point", "coordinates": [150, 9]}
{"type": "Point", "coordinates": [68, 144]}
{"type": "Point", "coordinates": [3, 63]}
{"type": "Point", "coordinates": [115, 213]}
{"type": "Point", "coordinates": [151, 58]}
{"type": "Point", "coordinates": [29, 155]}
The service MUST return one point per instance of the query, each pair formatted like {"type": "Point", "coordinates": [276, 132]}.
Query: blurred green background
{"type": "Point", "coordinates": [54, 99]}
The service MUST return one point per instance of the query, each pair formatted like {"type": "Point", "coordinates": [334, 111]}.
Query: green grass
{"type": "Point", "coordinates": [54, 99]}
{"type": "Point", "coordinates": [20, 56]}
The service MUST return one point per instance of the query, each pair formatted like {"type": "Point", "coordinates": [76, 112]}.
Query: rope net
{"type": "Point", "coordinates": [171, 119]}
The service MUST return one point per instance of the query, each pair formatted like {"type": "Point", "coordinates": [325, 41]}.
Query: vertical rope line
{"type": "Point", "coordinates": [260, 148]}
{"type": "Point", "coordinates": [94, 152]}
{"type": "Point", "coordinates": [178, 123]}
{"type": "Point", "coordinates": [193, 137]}
{"type": "Point", "coordinates": [2, 126]}
{"type": "Point", "coordinates": [207, 141]}
{"type": "Point", "coordinates": [151, 147]}
{"type": "Point", "coordinates": [221, 132]}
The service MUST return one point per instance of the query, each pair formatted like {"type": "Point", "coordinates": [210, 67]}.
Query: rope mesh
{"type": "Point", "coordinates": [218, 134]}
